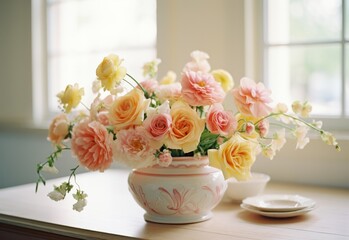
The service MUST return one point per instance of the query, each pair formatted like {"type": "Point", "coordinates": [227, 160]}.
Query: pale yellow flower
{"type": "Point", "coordinates": [70, 97]}
{"type": "Point", "coordinates": [169, 78]}
{"type": "Point", "coordinates": [151, 68]}
{"type": "Point", "coordinates": [110, 72]}
{"type": "Point", "coordinates": [224, 78]}
{"type": "Point", "coordinates": [186, 129]}
{"type": "Point", "coordinates": [235, 158]}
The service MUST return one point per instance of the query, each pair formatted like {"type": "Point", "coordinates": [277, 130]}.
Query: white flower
{"type": "Point", "coordinates": [57, 194]}
{"type": "Point", "coordinates": [278, 140]}
{"type": "Point", "coordinates": [96, 86]}
{"type": "Point", "coordinates": [151, 68]}
{"type": "Point", "coordinates": [329, 138]}
{"type": "Point", "coordinates": [269, 152]}
{"type": "Point", "coordinates": [48, 169]}
{"type": "Point", "coordinates": [80, 196]}
{"type": "Point", "coordinates": [306, 109]}
{"type": "Point", "coordinates": [317, 124]}
{"type": "Point", "coordinates": [281, 108]}
{"type": "Point", "coordinates": [297, 107]}
{"type": "Point", "coordinates": [300, 134]}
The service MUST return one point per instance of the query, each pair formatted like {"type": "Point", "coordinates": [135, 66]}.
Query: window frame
{"type": "Point", "coordinates": [333, 123]}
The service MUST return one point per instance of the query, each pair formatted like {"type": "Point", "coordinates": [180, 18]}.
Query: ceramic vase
{"type": "Point", "coordinates": [184, 192]}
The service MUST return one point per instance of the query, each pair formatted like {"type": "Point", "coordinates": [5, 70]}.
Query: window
{"type": "Point", "coordinates": [81, 32]}
{"type": "Point", "coordinates": [306, 53]}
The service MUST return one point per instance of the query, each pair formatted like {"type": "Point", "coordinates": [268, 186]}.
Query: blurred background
{"type": "Point", "coordinates": [298, 48]}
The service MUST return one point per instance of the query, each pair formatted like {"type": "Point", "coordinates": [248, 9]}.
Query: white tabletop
{"type": "Point", "coordinates": [112, 213]}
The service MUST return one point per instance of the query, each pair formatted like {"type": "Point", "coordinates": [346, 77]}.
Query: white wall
{"type": "Point", "coordinates": [214, 26]}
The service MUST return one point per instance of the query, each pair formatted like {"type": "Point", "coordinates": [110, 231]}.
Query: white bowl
{"type": "Point", "coordinates": [239, 190]}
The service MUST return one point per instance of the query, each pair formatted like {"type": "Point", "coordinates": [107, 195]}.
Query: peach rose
{"type": "Point", "coordinates": [110, 72]}
{"type": "Point", "coordinates": [219, 121]}
{"type": "Point", "coordinates": [235, 158]}
{"type": "Point", "coordinates": [128, 110]}
{"type": "Point", "coordinates": [92, 145]}
{"type": "Point", "coordinates": [252, 98]}
{"type": "Point", "coordinates": [200, 89]}
{"type": "Point", "coordinates": [70, 97]}
{"type": "Point", "coordinates": [58, 129]}
{"type": "Point", "coordinates": [186, 128]}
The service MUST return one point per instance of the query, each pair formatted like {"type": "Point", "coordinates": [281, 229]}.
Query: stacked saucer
{"type": "Point", "coordinates": [278, 206]}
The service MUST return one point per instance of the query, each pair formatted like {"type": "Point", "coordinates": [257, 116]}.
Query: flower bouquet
{"type": "Point", "coordinates": [160, 119]}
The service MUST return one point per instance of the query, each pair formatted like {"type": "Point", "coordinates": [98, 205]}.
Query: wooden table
{"type": "Point", "coordinates": [111, 213]}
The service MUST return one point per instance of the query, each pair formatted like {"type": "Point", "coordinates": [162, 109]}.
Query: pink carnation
{"type": "Point", "coordinates": [92, 145]}
{"type": "Point", "coordinates": [252, 99]}
{"type": "Point", "coordinates": [220, 121]}
{"type": "Point", "coordinates": [199, 89]}
{"type": "Point", "coordinates": [132, 148]}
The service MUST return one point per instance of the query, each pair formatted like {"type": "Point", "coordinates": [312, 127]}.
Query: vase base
{"type": "Point", "coordinates": [177, 219]}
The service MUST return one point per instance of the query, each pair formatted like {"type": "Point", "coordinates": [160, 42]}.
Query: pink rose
{"type": "Point", "coordinates": [59, 129]}
{"type": "Point", "coordinates": [252, 99]}
{"type": "Point", "coordinates": [219, 121]}
{"type": "Point", "coordinates": [92, 145]}
{"type": "Point", "coordinates": [199, 89]}
{"type": "Point", "coordinates": [132, 148]}
{"type": "Point", "coordinates": [157, 127]}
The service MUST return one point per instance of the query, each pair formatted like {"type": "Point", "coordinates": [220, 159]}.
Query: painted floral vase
{"type": "Point", "coordinates": [184, 192]}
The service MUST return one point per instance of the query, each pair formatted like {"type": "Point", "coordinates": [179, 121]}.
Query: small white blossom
{"type": "Point", "coordinates": [151, 68]}
{"type": "Point", "coordinates": [80, 196]}
{"type": "Point", "coordinates": [268, 152]}
{"type": "Point", "coordinates": [48, 169]}
{"type": "Point", "coordinates": [329, 138]}
{"type": "Point", "coordinates": [58, 193]}
{"type": "Point", "coordinates": [279, 140]}
{"type": "Point", "coordinates": [300, 134]}
{"type": "Point", "coordinates": [96, 86]}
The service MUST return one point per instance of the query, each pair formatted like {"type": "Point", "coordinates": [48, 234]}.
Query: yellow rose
{"type": "Point", "coordinates": [235, 158]}
{"type": "Point", "coordinates": [224, 78]}
{"type": "Point", "coordinates": [109, 72]}
{"type": "Point", "coordinates": [186, 129]}
{"type": "Point", "coordinates": [70, 97]}
{"type": "Point", "coordinates": [128, 110]}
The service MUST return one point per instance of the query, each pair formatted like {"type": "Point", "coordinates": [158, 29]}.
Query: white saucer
{"type": "Point", "coordinates": [277, 214]}
{"type": "Point", "coordinates": [279, 202]}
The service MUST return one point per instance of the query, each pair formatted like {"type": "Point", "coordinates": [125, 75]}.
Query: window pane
{"type": "Point", "coordinates": [303, 20]}
{"type": "Point", "coordinates": [347, 79]}
{"type": "Point", "coordinates": [81, 33]}
{"type": "Point", "coordinates": [347, 19]}
{"type": "Point", "coordinates": [310, 73]}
